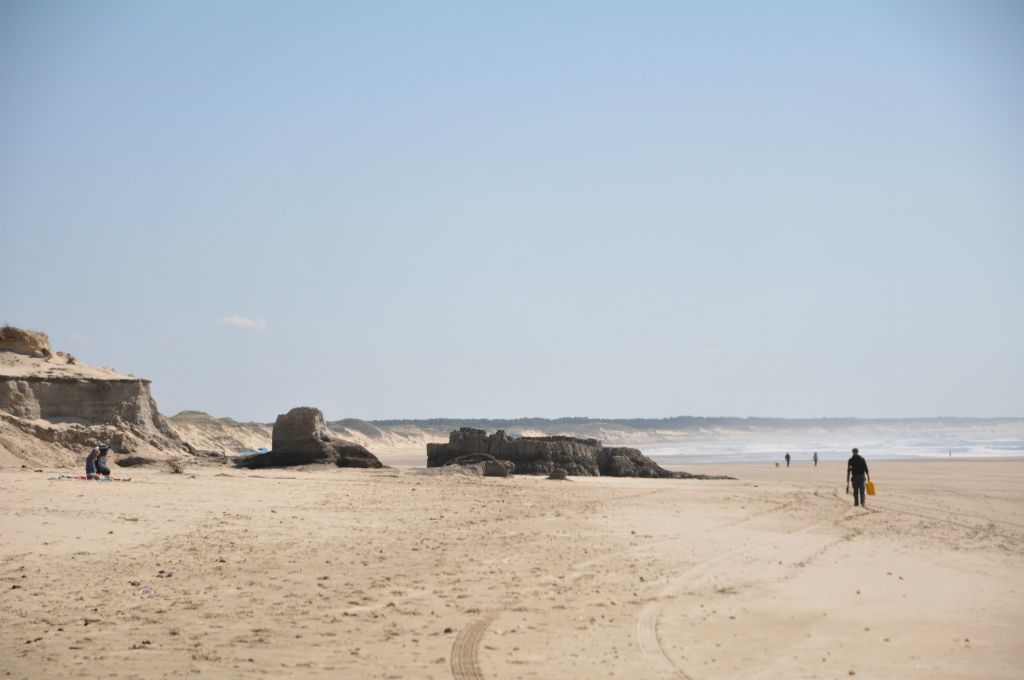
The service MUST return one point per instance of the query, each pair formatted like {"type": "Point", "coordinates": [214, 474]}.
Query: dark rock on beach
{"type": "Point", "coordinates": [301, 437]}
{"type": "Point", "coordinates": [623, 462]}
{"type": "Point", "coordinates": [499, 468]}
{"type": "Point", "coordinates": [530, 455]}
{"type": "Point", "coordinates": [545, 455]}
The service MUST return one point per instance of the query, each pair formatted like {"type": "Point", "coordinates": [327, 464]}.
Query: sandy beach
{"type": "Point", "coordinates": [406, 573]}
{"type": "Point", "coordinates": [469, 341]}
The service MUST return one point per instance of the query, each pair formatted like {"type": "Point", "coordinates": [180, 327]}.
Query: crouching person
{"type": "Point", "coordinates": [96, 462]}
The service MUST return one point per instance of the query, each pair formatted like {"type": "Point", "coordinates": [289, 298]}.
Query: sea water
{"type": "Point", "coordinates": [726, 451]}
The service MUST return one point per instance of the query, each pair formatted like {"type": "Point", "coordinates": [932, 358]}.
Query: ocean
{"type": "Point", "coordinates": [725, 451]}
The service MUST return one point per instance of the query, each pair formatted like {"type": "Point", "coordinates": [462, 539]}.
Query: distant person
{"type": "Point", "coordinates": [815, 459]}
{"type": "Point", "coordinates": [787, 458]}
{"type": "Point", "coordinates": [96, 462]}
{"type": "Point", "coordinates": [857, 471]}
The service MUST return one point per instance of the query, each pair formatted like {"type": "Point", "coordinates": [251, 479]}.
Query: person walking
{"type": "Point", "coordinates": [815, 459]}
{"type": "Point", "coordinates": [787, 458]}
{"type": "Point", "coordinates": [857, 472]}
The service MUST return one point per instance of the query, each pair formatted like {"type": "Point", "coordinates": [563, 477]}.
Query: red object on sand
{"type": "Point", "coordinates": [111, 479]}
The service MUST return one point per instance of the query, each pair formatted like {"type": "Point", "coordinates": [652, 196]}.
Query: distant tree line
{"type": "Point", "coordinates": [675, 422]}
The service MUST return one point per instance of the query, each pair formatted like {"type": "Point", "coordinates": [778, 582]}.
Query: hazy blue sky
{"type": "Point", "coordinates": [499, 210]}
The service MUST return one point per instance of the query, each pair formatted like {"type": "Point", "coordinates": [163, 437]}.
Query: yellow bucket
{"type": "Point", "coordinates": [871, 488]}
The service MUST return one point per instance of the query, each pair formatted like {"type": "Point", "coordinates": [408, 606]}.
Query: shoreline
{"type": "Point", "coordinates": [799, 463]}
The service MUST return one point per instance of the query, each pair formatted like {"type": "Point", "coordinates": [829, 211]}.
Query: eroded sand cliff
{"type": "Point", "coordinates": [52, 407]}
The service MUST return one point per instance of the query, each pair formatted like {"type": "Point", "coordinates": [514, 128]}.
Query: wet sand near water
{"type": "Point", "coordinates": [402, 573]}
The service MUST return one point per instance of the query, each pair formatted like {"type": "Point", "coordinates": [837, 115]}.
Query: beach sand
{"type": "Point", "coordinates": [405, 573]}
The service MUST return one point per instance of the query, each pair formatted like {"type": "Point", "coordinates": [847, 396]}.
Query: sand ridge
{"type": "Point", "coordinates": [56, 367]}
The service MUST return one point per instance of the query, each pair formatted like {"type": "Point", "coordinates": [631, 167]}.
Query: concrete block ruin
{"type": "Point", "coordinates": [544, 455]}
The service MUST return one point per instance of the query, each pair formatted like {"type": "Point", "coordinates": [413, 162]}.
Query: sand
{"type": "Point", "coordinates": [14, 365]}
{"type": "Point", "coordinates": [399, 573]}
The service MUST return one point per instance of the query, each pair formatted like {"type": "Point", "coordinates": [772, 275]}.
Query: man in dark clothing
{"type": "Point", "coordinates": [787, 458]}
{"type": "Point", "coordinates": [857, 470]}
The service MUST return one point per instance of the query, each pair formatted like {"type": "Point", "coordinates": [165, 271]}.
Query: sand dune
{"type": "Point", "coordinates": [406, 573]}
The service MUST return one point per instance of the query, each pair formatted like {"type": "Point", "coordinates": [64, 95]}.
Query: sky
{"type": "Point", "coordinates": [477, 209]}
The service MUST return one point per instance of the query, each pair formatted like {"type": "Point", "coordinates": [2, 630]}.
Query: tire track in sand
{"type": "Point", "coordinates": [981, 522]}
{"type": "Point", "coordinates": [649, 642]}
{"type": "Point", "coordinates": [465, 654]}
{"type": "Point", "coordinates": [465, 661]}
